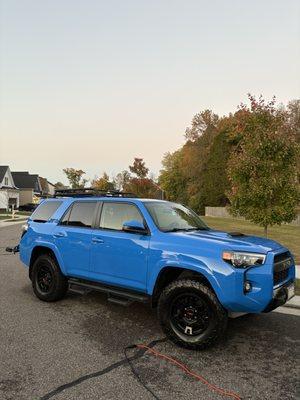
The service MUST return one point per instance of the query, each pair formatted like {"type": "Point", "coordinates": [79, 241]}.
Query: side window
{"type": "Point", "coordinates": [114, 215]}
{"type": "Point", "coordinates": [45, 211]}
{"type": "Point", "coordinates": [81, 214]}
{"type": "Point", "coordinates": [65, 219]}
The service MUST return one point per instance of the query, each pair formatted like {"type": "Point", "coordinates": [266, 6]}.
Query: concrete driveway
{"type": "Point", "coordinates": [79, 341]}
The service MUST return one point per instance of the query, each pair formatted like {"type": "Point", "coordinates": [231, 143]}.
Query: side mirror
{"type": "Point", "coordinates": [134, 227]}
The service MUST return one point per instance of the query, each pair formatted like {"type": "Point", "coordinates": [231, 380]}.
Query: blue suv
{"type": "Point", "coordinates": [154, 251]}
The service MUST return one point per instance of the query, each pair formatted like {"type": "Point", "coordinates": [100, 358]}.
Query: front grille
{"type": "Point", "coordinates": [282, 264]}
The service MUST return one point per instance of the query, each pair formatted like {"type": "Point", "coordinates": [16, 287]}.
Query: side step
{"type": "Point", "coordinates": [74, 288]}
{"type": "Point", "coordinates": [119, 301]}
{"type": "Point", "coordinates": [116, 295]}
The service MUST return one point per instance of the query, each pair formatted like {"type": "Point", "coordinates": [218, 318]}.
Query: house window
{"type": "Point", "coordinates": [6, 181]}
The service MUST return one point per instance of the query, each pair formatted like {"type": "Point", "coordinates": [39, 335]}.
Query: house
{"type": "Point", "coordinates": [48, 188]}
{"type": "Point", "coordinates": [9, 193]}
{"type": "Point", "coordinates": [29, 186]}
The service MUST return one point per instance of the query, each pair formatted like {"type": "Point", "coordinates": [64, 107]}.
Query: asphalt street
{"type": "Point", "coordinates": [74, 349]}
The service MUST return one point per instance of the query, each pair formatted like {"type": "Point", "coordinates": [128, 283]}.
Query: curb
{"type": "Point", "coordinates": [293, 303]}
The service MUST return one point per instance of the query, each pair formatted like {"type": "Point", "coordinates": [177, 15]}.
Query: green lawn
{"type": "Point", "coordinates": [287, 235]}
{"type": "Point", "coordinates": [24, 213]}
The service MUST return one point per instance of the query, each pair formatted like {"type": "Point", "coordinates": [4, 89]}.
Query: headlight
{"type": "Point", "coordinates": [243, 260]}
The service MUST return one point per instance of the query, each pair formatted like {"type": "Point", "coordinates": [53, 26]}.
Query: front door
{"type": "Point", "coordinates": [73, 238]}
{"type": "Point", "coordinates": [117, 257]}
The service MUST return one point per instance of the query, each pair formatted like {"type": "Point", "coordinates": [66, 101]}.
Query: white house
{"type": "Point", "coordinates": [9, 193]}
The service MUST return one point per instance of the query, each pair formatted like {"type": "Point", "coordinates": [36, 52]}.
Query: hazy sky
{"type": "Point", "coordinates": [91, 84]}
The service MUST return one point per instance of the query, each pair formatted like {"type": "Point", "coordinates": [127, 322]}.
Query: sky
{"type": "Point", "coordinates": [91, 84]}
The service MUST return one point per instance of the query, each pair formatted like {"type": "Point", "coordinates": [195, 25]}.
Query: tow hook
{"type": "Point", "coordinates": [14, 249]}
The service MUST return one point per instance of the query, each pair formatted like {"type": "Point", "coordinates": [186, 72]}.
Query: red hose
{"type": "Point", "coordinates": [184, 368]}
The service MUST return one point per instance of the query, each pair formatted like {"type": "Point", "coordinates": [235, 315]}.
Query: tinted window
{"type": "Point", "coordinates": [174, 217]}
{"type": "Point", "coordinates": [81, 214]}
{"type": "Point", "coordinates": [45, 211]}
{"type": "Point", "coordinates": [114, 215]}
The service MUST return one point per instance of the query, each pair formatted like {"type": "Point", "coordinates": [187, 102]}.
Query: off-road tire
{"type": "Point", "coordinates": [217, 325]}
{"type": "Point", "coordinates": [59, 283]}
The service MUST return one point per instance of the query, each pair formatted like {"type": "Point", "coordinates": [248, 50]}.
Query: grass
{"type": "Point", "coordinates": [297, 287]}
{"type": "Point", "coordinates": [287, 235]}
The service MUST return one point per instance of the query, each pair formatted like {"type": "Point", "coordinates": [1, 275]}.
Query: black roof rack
{"type": "Point", "coordinates": [90, 192]}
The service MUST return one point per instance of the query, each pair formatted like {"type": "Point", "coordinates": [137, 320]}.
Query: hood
{"type": "Point", "coordinates": [234, 242]}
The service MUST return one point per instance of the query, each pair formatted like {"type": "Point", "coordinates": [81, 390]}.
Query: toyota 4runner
{"type": "Point", "coordinates": [153, 251]}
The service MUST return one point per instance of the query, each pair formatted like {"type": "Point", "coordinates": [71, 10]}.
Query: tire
{"type": "Point", "coordinates": [191, 315]}
{"type": "Point", "coordinates": [48, 283]}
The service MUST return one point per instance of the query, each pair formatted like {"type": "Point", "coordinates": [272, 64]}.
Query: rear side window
{"type": "Point", "coordinates": [81, 214]}
{"type": "Point", "coordinates": [114, 215]}
{"type": "Point", "coordinates": [45, 211]}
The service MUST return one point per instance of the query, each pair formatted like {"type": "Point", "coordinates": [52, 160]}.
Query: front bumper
{"type": "Point", "coordinates": [281, 295]}
{"type": "Point", "coordinates": [266, 293]}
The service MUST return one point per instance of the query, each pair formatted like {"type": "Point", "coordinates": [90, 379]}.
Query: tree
{"type": "Point", "coordinates": [75, 177]}
{"type": "Point", "coordinates": [202, 122]}
{"type": "Point", "coordinates": [183, 173]}
{"type": "Point", "coordinates": [59, 185]}
{"type": "Point", "coordinates": [262, 167]}
{"type": "Point", "coordinates": [293, 110]}
{"type": "Point", "coordinates": [121, 179]}
{"type": "Point", "coordinates": [172, 179]}
{"type": "Point", "coordinates": [139, 168]}
{"type": "Point", "coordinates": [142, 187]}
{"type": "Point", "coordinates": [103, 183]}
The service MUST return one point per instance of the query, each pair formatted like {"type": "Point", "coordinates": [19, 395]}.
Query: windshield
{"type": "Point", "coordinates": [172, 217]}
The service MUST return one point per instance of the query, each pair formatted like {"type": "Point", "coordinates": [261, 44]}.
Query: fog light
{"type": "Point", "coordinates": [247, 286]}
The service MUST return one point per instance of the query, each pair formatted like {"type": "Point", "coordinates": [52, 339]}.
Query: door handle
{"type": "Point", "coordinates": [60, 234]}
{"type": "Point", "coordinates": [97, 240]}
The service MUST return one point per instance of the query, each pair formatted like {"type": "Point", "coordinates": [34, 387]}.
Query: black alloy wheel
{"type": "Point", "coordinates": [48, 282]}
{"type": "Point", "coordinates": [191, 315]}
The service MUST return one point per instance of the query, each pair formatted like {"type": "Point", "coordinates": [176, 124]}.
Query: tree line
{"type": "Point", "coordinates": [247, 160]}
{"type": "Point", "coordinates": [137, 180]}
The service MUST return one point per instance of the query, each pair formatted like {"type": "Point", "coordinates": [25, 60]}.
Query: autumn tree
{"type": "Point", "coordinates": [183, 173]}
{"type": "Point", "coordinates": [262, 167]}
{"type": "Point", "coordinates": [103, 183]}
{"type": "Point", "coordinates": [75, 177]}
{"type": "Point", "coordinates": [140, 184]}
{"type": "Point", "coordinates": [122, 179]}
{"type": "Point", "coordinates": [293, 121]}
{"type": "Point", "coordinates": [139, 168]}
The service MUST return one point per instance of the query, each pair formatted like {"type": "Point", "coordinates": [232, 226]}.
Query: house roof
{"type": "Point", "coordinates": [3, 169]}
{"type": "Point", "coordinates": [24, 180]}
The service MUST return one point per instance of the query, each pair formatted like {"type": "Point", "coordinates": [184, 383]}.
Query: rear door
{"type": "Point", "coordinates": [73, 236]}
{"type": "Point", "coordinates": [118, 257]}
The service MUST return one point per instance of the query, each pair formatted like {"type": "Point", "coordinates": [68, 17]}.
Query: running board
{"type": "Point", "coordinates": [121, 294]}
{"type": "Point", "coordinates": [120, 301]}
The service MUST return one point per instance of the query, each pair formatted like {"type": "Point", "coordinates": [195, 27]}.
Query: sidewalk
{"type": "Point", "coordinates": [4, 223]}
